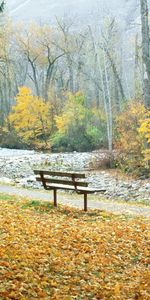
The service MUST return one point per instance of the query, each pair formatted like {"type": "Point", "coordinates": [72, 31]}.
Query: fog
{"type": "Point", "coordinates": [84, 10]}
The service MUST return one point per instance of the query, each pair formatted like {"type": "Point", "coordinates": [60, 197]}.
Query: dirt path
{"type": "Point", "coordinates": [77, 201]}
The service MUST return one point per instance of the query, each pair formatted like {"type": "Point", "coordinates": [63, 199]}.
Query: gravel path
{"type": "Point", "coordinates": [77, 201]}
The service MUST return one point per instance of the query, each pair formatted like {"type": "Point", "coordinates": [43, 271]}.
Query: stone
{"type": "Point", "coordinates": [6, 180]}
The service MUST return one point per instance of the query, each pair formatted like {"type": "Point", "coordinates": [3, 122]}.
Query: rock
{"type": "Point", "coordinates": [147, 186]}
{"type": "Point", "coordinates": [6, 180]}
{"type": "Point", "coordinates": [28, 182]}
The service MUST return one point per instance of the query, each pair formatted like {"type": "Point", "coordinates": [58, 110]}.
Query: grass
{"type": "Point", "coordinates": [38, 206]}
{"type": "Point", "coordinates": [6, 197]}
{"type": "Point", "coordinates": [65, 254]}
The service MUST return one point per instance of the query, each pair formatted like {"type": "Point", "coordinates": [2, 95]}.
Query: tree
{"type": "Point", "coordinates": [110, 44]}
{"type": "Point", "coordinates": [130, 139]}
{"type": "Point", "coordinates": [5, 72]}
{"type": "Point", "coordinates": [76, 126]}
{"type": "Point", "coordinates": [37, 45]}
{"type": "Point", "coordinates": [145, 128]}
{"type": "Point", "coordinates": [145, 52]}
{"type": "Point", "coordinates": [102, 84]}
{"type": "Point", "coordinates": [73, 45]}
{"type": "Point", "coordinates": [30, 118]}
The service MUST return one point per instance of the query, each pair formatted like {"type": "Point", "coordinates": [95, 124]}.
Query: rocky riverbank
{"type": "Point", "coordinates": [16, 167]}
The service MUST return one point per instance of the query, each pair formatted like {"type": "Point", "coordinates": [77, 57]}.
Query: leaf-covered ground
{"type": "Point", "coordinates": [66, 254]}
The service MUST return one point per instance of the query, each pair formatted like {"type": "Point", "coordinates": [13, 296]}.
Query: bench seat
{"type": "Point", "coordinates": [82, 190]}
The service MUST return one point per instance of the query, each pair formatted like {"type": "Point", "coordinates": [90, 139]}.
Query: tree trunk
{"type": "Point", "coordinates": [109, 106]}
{"type": "Point", "coordinates": [145, 52]}
{"type": "Point", "coordinates": [117, 77]}
{"type": "Point", "coordinates": [34, 77]}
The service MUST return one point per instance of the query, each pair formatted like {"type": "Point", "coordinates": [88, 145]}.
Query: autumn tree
{"type": "Point", "coordinates": [30, 118]}
{"type": "Point", "coordinates": [145, 129]}
{"type": "Point", "coordinates": [129, 138]}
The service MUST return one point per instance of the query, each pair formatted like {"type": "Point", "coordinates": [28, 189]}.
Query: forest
{"type": "Point", "coordinates": [64, 88]}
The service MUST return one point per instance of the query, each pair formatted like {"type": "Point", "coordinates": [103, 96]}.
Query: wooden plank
{"type": "Point", "coordinates": [91, 190]}
{"type": "Point", "coordinates": [61, 174]}
{"type": "Point", "coordinates": [60, 187]}
{"type": "Point", "coordinates": [60, 181]}
{"type": "Point", "coordinates": [81, 190]}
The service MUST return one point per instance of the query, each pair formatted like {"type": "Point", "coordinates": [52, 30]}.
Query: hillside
{"type": "Point", "coordinates": [27, 10]}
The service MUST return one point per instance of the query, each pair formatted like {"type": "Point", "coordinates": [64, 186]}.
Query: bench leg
{"type": "Point", "coordinates": [85, 202]}
{"type": "Point", "coordinates": [55, 198]}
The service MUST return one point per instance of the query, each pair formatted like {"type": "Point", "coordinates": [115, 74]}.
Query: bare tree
{"type": "Point", "coordinates": [102, 77]}
{"type": "Point", "coordinates": [37, 45]}
{"type": "Point", "coordinates": [72, 43]}
{"type": "Point", "coordinates": [108, 45]}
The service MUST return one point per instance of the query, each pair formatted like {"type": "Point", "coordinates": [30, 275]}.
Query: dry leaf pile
{"type": "Point", "coordinates": [66, 254]}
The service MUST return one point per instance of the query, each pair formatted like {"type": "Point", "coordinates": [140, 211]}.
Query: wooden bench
{"type": "Point", "coordinates": [65, 181]}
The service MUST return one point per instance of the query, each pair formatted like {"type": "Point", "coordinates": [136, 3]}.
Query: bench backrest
{"type": "Point", "coordinates": [63, 178]}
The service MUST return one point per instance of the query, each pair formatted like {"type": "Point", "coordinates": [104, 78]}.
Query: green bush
{"type": "Point", "coordinates": [78, 139]}
{"type": "Point", "coordinates": [11, 140]}
{"type": "Point", "coordinates": [78, 127]}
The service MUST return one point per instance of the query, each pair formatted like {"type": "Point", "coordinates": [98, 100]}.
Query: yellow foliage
{"type": "Point", "coordinates": [127, 127]}
{"type": "Point", "coordinates": [73, 113]}
{"type": "Point", "coordinates": [145, 129]}
{"type": "Point", "coordinates": [66, 254]}
{"type": "Point", "coordinates": [145, 126]}
{"type": "Point", "coordinates": [130, 140]}
{"type": "Point", "coordinates": [30, 116]}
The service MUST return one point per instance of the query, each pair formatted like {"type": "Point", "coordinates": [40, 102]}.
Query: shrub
{"type": "Point", "coordinates": [11, 140]}
{"type": "Point", "coordinates": [78, 128]}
